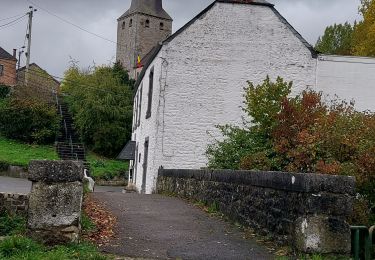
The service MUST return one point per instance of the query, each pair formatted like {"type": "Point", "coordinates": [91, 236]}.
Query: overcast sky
{"type": "Point", "coordinates": [55, 42]}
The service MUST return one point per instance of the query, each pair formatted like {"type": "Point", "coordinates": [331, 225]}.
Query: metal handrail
{"type": "Point", "coordinates": [368, 234]}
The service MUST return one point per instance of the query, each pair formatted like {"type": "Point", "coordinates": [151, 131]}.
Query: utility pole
{"type": "Point", "coordinates": [30, 13]}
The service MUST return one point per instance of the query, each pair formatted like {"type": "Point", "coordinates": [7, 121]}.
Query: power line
{"type": "Point", "coordinates": [4, 19]}
{"type": "Point", "coordinates": [72, 24]}
{"type": "Point", "coordinates": [12, 22]}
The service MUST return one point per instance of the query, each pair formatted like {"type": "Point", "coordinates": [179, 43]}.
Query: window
{"type": "Point", "coordinates": [131, 23]}
{"type": "Point", "coordinates": [140, 105]}
{"type": "Point", "coordinates": [123, 25]}
{"type": "Point", "coordinates": [161, 26]}
{"type": "Point", "coordinates": [1, 70]}
{"type": "Point", "coordinates": [135, 113]}
{"type": "Point", "coordinates": [150, 90]}
{"type": "Point", "coordinates": [136, 164]}
{"type": "Point", "coordinates": [147, 23]}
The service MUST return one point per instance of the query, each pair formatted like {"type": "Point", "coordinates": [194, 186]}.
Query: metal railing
{"type": "Point", "coordinates": [363, 242]}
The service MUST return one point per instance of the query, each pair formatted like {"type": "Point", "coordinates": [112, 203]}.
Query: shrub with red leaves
{"type": "Point", "coordinates": [306, 134]}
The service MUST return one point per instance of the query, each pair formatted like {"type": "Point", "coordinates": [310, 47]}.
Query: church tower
{"type": "Point", "coordinates": [141, 28]}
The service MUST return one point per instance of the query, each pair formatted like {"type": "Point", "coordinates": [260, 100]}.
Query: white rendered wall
{"type": "Point", "coordinates": [350, 78]}
{"type": "Point", "coordinates": [148, 128]}
{"type": "Point", "coordinates": [202, 78]}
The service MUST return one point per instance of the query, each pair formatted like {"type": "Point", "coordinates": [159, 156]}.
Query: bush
{"type": "Point", "coordinates": [28, 121]}
{"type": "Point", "coordinates": [302, 134]}
{"type": "Point", "coordinates": [101, 101]}
{"type": "Point", "coordinates": [4, 91]}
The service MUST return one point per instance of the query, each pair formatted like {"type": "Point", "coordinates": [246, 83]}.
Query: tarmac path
{"type": "Point", "coordinates": [159, 227]}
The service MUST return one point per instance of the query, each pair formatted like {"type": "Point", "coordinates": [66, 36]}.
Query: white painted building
{"type": "Point", "coordinates": [195, 80]}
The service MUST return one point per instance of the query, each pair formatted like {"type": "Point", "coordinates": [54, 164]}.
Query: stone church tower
{"type": "Point", "coordinates": [142, 27]}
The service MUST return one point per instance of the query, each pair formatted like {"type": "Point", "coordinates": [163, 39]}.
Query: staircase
{"type": "Point", "coordinates": [68, 144]}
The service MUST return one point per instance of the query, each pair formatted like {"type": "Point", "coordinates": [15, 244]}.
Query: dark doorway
{"type": "Point", "coordinates": [145, 158]}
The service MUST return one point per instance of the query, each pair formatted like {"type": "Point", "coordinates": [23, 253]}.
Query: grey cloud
{"type": "Point", "coordinates": [54, 41]}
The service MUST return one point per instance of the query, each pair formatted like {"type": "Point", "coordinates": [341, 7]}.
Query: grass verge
{"type": "Point", "coordinates": [20, 154]}
{"type": "Point", "coordinates": [106, 169]}
{"type": "Point", "coordinates": [19, 247]}
{"type": "Point", "coordinates": [11, 225]}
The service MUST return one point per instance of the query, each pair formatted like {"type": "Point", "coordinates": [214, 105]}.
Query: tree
{"type": "Point", "coordinates": [337, 40]}
{"type": "Point", "coordinates": [364, 32]}
{"type": "Point", "coordinates": [101, 101]}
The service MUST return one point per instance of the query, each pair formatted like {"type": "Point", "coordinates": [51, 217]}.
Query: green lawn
{"type": "Point", "coordinates": [20, 154]}
{"type": "Point", "coordinates": [104, 168]}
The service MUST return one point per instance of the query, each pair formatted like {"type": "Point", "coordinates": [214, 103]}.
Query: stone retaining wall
{"type": "Point", "coordinates": [13, 171]}
{"type": "Point", "coordinates": [14, 203]}
{"type": "Point", "coordinates": [307, 211]}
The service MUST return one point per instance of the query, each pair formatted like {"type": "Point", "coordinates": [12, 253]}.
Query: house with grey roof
{"type": "Point", "coordinates": [194, 79]}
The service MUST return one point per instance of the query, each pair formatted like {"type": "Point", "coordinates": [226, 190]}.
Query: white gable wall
{"type": "Point", "coordinates": [205, 70]}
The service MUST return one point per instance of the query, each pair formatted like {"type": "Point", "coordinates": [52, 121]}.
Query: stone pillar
{"type": "Point", "coordinates": [323, 235]}
{"type": "Point", "coordinates": [55, 201]}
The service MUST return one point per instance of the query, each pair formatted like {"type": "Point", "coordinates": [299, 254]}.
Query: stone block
{"type": "Point", "coordinates": [54, 212]}
{"type": "Point", "coordinates": [322, 235]}
{"type": "Point", "coordinates": [56, 171]}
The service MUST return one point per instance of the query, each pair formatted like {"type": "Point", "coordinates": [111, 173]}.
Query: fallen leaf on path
{"type": "Point", "coordinates": [103, 219]}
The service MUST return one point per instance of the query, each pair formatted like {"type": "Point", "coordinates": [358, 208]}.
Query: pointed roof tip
{"type": "Point", "coordinates": [148, 7]}
{"type": "Point", "coordinates": [6, 55]}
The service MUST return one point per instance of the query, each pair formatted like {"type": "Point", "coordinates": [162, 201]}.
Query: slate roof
{"type": "Point", "coordinates": [149, 7]}
{"type": "Point", "coordinates": [128, 153]}
{"type": "Point", "coordinates": [154, 52]}
{"type": "Point", "coordinates": [6, 55]}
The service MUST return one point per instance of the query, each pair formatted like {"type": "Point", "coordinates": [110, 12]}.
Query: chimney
{"type": "Point", "coordinates": [15, 53]}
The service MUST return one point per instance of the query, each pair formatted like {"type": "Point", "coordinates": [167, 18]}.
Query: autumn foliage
{"type": "Point", "coordinates": [303, 134]}
{"type": "Point", "coordinates": [102, 219]}
{"type": "Point", "coordinates": [347, 39]}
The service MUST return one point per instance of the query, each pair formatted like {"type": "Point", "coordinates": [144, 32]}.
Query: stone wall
{"type": "Point", "coordinates": [308, 211]}
{"type": "Point", "coordinates": [14, 203]}
{"type": "Point", "coordinates": [139, 39]}
{"type": "Point", "coordinates": [12, 171]}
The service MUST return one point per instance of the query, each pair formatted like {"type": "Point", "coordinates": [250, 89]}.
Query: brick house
{"type": "Point", "coordinates": [8, 75]}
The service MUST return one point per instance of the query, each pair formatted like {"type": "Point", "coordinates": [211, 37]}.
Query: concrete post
{"type": "Point", "coordinates": [55, 201]}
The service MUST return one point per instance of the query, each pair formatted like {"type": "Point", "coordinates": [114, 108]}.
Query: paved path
{"type": "Point", "coordinates": [13, 185]}
{"type": "Point", "coordinates": [158, 227]}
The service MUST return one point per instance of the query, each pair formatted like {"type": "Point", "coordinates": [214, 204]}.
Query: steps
{"type": "Point", "coordinates": [68, 144]}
